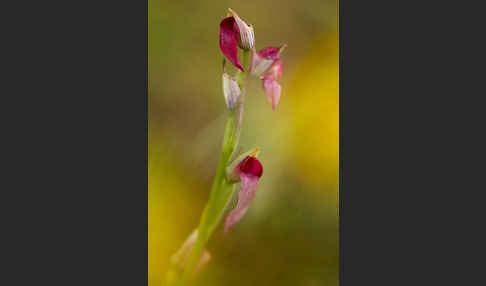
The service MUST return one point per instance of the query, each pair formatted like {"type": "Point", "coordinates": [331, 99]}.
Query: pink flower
{"type": "Point", "coordinates": [234, 32]}
{"type": "Point", "coordinates": [249, 170]}
{"type": "Point", "coordinates": [268, 66]}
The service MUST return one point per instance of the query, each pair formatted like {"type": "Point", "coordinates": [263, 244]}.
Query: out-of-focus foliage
{"type": "Point", "coordinates": [289, 235]}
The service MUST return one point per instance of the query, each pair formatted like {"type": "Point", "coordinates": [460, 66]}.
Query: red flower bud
{"type": "Point", "coordinates": [251, 166]}
{"type": "Point", "coordinates": [249, 170]}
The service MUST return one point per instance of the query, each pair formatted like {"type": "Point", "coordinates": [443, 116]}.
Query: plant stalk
{"type": "Point", "coordinates": [221, 190]}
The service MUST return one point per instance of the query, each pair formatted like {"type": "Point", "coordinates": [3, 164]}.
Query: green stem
{"type": "Point", "coordinates": [221, 189]}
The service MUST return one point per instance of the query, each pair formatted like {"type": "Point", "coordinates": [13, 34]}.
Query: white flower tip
{"type": "Point", "coordinates": [231, 91]}
{"type": "Point", "coordinates": [246, 40]}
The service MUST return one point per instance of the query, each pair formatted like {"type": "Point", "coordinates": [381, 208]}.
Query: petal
{"type": "Point", "coordinates": [228, 31]}
{"type": "Point", "coordinates": [233, 170]}
{"type": "Point", "coordinates": [251, 166]}
{"type": "Point", "coordinates": [272, 89]}
{"type": "Point", "coordinates": [270, 53]}
{"type": "Point", "coordinates": [246, 36]}
{"type": "Point", "coordinates": [276, 69]}
{"type": "Point", "coordinates": [265, 59]}
{"type": "Point", "coordinates": [249, 185]}
{"type": "Point", "coordinates": [260, 65]}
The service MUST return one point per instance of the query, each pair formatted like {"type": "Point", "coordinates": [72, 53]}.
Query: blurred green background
{"type": "Point", "coordinates": [290, 234]}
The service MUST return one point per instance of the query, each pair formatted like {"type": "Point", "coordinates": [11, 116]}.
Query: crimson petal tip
{"type": "Point", "coordinates": [228, 41]}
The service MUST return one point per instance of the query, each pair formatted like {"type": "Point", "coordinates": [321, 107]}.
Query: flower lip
{"type": "Point", "coordinates": [249, 185]}
{"type": "Point", "coordinates": [249, 170]}
{"type": "Point", "coordinates": [233, 170]}
{"type": "Point", "coordinates": [251, 166]}
{"type": "Point", "coordinates": [272, 89]}
{"type": "Point", "coordinates": [275, 69]}
{"type": "Point", "coordinates": [228, 31]}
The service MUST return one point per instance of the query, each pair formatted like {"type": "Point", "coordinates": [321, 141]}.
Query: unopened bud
{"type": "Point", "coordinates": [245, 162]}
{"type": "Point", "coordinates": [231, 91]}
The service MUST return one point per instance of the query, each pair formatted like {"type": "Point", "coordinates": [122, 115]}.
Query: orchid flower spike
{"type": "Point", "coordinates": [268, 66]}
{"type": "Point", "coordinates": [249, 170]}
{"type": "Point", "coordinates": [233, 32]}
